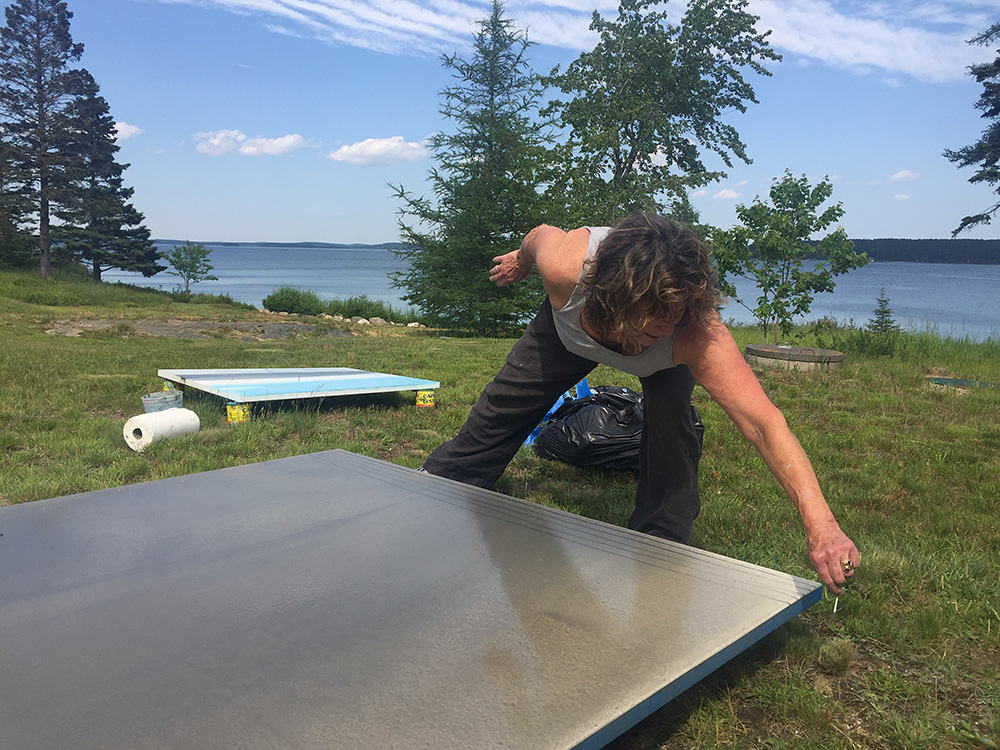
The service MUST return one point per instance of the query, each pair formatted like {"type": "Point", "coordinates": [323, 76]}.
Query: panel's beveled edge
{"type": "Point", "coordinates": [660, 698]}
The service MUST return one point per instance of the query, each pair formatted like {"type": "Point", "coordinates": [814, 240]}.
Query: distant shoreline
{"type": "Point", "coordinates": [332, 245]}
{"type": "Point", "coordinates": [945, 252]}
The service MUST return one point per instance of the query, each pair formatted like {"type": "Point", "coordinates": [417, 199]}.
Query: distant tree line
{"type": "Point", "coordinates": [63, 199]}
{"type": "Point", "coordinates": [985, 252]}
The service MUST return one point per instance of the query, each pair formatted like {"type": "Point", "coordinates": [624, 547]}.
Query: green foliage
{"type": "Point", "coordinates": [880, 335]}
{"type": "Point", "coordinates": [71, 288]}
{"type": "Point", "coordinates": [368, 308]}
{"type": "Point", "coordinates": [16, 245]}
{"type": "Point", "coordinates": [485, 189]}
{"type": "Point", "coordinates": [36, 88]}
{"type": "Point", "coordinates": [772, 244]}
{"type": "Point", "coordinates": [912, 658]}
{"type": "Point", "coordinates": [190, 262]}
{"type": "Point", "coordinates": [646, 101]}
{"type": "Point", "coordinates": [984, 154]}
{"type": "Point", "coordinates": [290, 300]}
{"type": "Point", "coordinates": [100, 227]}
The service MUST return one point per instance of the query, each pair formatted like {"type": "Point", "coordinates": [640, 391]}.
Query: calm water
{"type": "Point", "coordinates": [954, 300]}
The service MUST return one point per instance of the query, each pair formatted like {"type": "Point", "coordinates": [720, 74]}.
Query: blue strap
{"type": "Point", "coordinates": [582, 390]}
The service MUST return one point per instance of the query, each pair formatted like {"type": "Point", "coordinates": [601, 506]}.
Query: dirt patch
{"type": "Point", "coordinates": [189, 329]}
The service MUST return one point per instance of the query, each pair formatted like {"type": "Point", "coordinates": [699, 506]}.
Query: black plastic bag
{"type": "Point", "coordinates": [600, 431]}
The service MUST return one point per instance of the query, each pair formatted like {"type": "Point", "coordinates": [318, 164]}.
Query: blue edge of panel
{"type": "Point", "coordinates": [659, 699]}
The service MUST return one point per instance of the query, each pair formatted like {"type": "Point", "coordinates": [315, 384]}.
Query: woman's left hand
{"type": "Point", "coordinates": [833, 556]}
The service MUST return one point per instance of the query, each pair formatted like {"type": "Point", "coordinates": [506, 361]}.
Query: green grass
{"type": "Point", "coordinates": [912, 659]}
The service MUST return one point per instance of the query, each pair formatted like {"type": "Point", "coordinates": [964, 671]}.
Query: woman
{"type": "Point", "coordinates": [640, 297]}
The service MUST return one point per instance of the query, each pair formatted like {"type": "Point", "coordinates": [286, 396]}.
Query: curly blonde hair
{"type": "Point", "coordinates": [648, 269]}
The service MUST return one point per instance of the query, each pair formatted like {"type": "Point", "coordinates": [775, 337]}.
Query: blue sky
{"type": "Point", "coordinates": [284, 120]}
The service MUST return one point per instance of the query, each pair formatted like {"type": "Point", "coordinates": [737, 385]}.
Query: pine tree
{"type": "Point", "coordinates": [485, 187]}
{"type": "Point", "coordinates": [984, 153]}
{"type": "Point", "coordinates": [15, 244]}
{"type": "Point", "coordinates": [100, 227]}
{"type": "Point", "coordinates": [36, 87]}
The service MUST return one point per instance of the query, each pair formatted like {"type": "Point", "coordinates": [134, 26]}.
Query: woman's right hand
{"type": "Point", "coordinates": [509, 268]}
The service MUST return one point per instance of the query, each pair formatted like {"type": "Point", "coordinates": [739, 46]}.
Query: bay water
{"type": "Point", "coordinates": [949, 299]}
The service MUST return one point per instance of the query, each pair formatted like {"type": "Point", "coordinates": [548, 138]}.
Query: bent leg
{"type": "Point", "coordinates": [667, 499]}
{"type": "Point", "coordinates": [537, 371]}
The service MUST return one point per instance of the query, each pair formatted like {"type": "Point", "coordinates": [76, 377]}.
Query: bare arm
{"type": "Point", "coordinates": [715, 361]}
{"type": "Point", "coordinates": [558, 255]}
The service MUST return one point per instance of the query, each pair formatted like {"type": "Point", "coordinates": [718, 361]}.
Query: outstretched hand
{"type": "Point", "coordinates": [509, 269]}
{"type": "Point", "coordinates": [833, 556]}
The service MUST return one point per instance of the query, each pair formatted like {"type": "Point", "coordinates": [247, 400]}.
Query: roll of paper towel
{"type": "Point", "coordinates": [144, 429]}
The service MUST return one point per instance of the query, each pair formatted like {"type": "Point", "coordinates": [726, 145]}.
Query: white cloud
{"type": "Point", "coordinates": [727, 194]}
{"type": "Point", "coordinates": [272, 146]}
{"type": "Point", "coordinates": [380, 152]}
{"type": "Point", "coordinates": [124, 131]}
{"type": "Point", "coordinates": [699, 193]}
{"type": "Point", "coordinates": [904, 175]}
{"type": "Point", "coordinates": [866, 36]}
{"type": "Point", "coordinates": [926, 40]}
{"type": "Point", "coordinates": [219, 142]}
{"type": "Point", "coordinates": [901, 197]}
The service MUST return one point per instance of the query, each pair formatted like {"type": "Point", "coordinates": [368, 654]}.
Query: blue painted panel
{"type": "Point", "coordinates": [271, 384]}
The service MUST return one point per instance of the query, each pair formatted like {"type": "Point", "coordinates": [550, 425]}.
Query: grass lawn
{"type": "Point", "coordinates": [912, 470]}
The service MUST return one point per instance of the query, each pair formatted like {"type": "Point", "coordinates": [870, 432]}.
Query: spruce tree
{"type": "Point", "coordinates": [984, 153]}
{"type": "Point", "coordinates": [37, 86]}
{"type": "Point", "coordinates": [16, 249]}
{"type": "Point", "coordinates": [485, 189]}
{"type": "Point", "coordinates": [100, 228]}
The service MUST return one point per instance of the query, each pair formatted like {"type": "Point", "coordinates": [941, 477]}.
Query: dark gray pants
{"type": "Point", "coordinates": [537, 371]}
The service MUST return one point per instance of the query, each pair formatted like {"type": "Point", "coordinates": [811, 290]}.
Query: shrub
{"type": "Point", "coordinates": [291, 300]}
{"type": "Point", "coordinates": [367, 308]}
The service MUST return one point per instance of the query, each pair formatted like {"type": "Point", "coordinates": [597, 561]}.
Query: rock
{"type": "Point", "coordinates": [338, 318]}
{"type": "Point", "coordinates": [283, 313]}
{"type": "Point", "coordinates": [358, 320]}
{"type": "Point", "coordinates": [414, 324]}
{"type": "Point", "coordinates": [376, 321]}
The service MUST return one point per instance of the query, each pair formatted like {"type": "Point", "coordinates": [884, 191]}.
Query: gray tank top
{"type": "Point", "coordinates": [658, 357]}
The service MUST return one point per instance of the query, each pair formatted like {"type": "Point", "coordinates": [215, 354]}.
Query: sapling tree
{"type": "Point", "coordinates": [772, 245]}
{"type": "Point", "coordinates": [880, 335]}
{"type": "Point", "coordinates": [190, 262]}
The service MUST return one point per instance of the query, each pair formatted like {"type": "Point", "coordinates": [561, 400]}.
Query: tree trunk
{"type": "Point", "coordinates": [44, 241]}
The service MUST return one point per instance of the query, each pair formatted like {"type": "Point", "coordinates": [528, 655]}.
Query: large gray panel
{"type": "Point", "coordinates": [335, 601]}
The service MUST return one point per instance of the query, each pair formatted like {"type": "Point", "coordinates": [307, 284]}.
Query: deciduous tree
{"type": "Point", "coordinates": [984, 153]}
{"type": "Point", "coordinates": [772, 245]}
{"type": "Point", "coordinates": [190, 262]}
{"type": "Point", "coordinates": [648, 100]}
{"type": "Point", "coordinates": [485, 188]}
{"type": "Point", "coordinates": [37, 86]}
